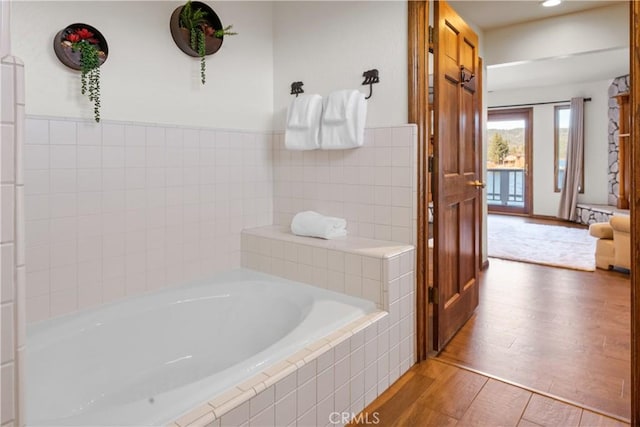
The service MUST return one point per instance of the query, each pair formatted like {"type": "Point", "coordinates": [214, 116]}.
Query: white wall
{"type": "Point", "coordinates": [591, 30]}
{"type": "Point", "coordinates": [328, 45]}
{"type": "Point", "coordinates": [146, 78]}
{"type": "Point", "coordinates": [5, 35]}
{"type": "Point", "coordinates": [545, 200]}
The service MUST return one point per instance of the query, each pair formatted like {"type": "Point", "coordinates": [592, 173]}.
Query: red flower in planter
{"type": "Point", "coordinates": [84, 34]}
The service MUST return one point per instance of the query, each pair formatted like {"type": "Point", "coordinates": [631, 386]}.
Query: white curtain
{"type": "Point", "coordinates": [574, 165]}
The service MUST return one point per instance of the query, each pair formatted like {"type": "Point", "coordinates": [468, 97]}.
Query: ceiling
{"type": "Point", "coordinates": [494, 14]}
{"type": "Point", "coordinates": [584, 67]}
{"type": "Point", "coordinates": [588, 67]}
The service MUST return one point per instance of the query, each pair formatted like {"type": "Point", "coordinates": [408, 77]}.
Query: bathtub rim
{"type": "Point", "coordinates": [242, 393]}
{"type": "Point", "coordinates": [229, 398]}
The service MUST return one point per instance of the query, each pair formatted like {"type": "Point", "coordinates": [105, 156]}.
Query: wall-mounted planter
{"type": "Point", "coordinates": [82, 47]}
{"type": "Point", "coordinates": [182, 37]}
{"type": "Point", "coordinates": [71, 58]}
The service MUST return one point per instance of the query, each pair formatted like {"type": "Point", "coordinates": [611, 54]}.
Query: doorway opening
{"type": "Point", "coordinates": [419, 36]}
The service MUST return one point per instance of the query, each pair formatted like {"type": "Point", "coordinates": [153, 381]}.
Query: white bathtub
{"type": "Point", "coordinates": [147, 360]}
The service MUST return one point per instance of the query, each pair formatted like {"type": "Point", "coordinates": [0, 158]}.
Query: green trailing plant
{"type": "Point", "coordinates": [202, 51]}
{"type": "Point", "coordinates": [195, 21]}
{"type": "Point", "coordinates": [82, 40]}
{"type": "Point", "coordinates": [90, 76]}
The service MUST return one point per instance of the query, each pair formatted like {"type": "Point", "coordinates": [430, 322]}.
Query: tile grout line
{"type": "Point", "coordinates": [474, 398]}
{"type": "Point", "coordinates": [524, 410]}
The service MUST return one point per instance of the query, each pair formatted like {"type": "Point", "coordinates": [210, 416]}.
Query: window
{"type": "Point", "coordinates": [562, 114]}
{"type": "Point", "coordinates": [509, 175]}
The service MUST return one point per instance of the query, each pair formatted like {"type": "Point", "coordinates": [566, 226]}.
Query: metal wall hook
{"type": "Point", "coordinates": [370, 78]}
{"type": "Point", "coordinates": [296, 88]}
{"type": "Point", "coordinates": [465, 74]}
{"type": "Point", "coordinates": [467, 78]}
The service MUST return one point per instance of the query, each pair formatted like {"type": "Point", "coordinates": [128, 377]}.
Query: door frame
{"type": "Point", "coordinates": [419, 113]}
{"type": "Point", "coordinates": [527, 113]}
{"type": "Point", "coordinates": [418, 45]}
{"type": "Point", "coordinates": [634, 61]}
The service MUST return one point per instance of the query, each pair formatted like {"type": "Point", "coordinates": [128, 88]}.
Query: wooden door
{"type": "Point", "coordinates": [457, 174]}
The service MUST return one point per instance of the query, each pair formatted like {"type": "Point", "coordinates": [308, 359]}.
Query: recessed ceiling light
{"type": "Point", "coordinates": [551, 3]}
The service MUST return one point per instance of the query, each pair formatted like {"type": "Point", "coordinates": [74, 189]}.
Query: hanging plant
{"type": "Point", "coordinates": [204, 32]}
{"type": "Point", "coordinates": [83, 48]}
{"type": "Point", "coordinates": [193, 19]}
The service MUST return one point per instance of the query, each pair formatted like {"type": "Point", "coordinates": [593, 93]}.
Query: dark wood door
{"type": "Point", "coordinates": [458, 173]}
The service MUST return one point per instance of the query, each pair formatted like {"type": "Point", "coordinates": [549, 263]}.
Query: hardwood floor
{"type": "Point", "coordinates": [546, 347]}
{"type": "Point", "coordinates": [560, 332]}
{"type": "Point", "coordinates": [435, 393]}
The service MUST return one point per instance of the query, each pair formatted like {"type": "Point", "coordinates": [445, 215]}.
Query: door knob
{"type": "Point", "coordinates": [477, 184]}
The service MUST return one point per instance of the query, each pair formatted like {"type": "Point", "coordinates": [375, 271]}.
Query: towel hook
{"type": "Point", "coordinates": [370, 78]}
{"type": "Point", "coordinates": [296, 88]}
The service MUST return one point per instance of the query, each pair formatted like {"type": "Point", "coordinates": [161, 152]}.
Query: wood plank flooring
{"type": "Point", "coordinates": [557, 331]}
{"type": "Point", "coordinates": [435, 393]}
{"type": "Point", "coordinates": [538, 333]}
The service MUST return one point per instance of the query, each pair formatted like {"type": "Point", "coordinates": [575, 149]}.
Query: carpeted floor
{"type": "Point", "coordinates": [557, 246]}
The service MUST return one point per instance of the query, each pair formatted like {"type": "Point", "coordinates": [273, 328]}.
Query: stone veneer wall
{"type": "Point", "coordinates": [618, 86]}
{"type": "Point", "coordinates": [589, 214]}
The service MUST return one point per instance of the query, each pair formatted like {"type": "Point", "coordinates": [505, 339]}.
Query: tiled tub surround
{"type": "Point", "coordinates": [333, 378]}
{"type": "Point", "coordinates": [118, 209]}
{"type": "Point", "coordinates": [12, 242]}
{"type": "Point", "coordinates": [357, 266]}
{"type": "Point", "coordinates": [347, 370]}
{"type": "Point", "coordinates": [373, 186]}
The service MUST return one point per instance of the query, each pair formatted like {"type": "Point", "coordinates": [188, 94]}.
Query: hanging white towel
{"type": "Point", "coordinates": [313, 224]}
{"type": "Point", "coordinates": [343, 120]}
{"type": "Point", "coordinates": [303, 123]}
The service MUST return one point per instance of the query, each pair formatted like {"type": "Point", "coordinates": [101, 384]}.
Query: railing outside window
{"type": "Point", "coordinates": [505, 187]}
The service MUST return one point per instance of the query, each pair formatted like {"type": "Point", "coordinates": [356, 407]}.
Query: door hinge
{"type": "Point", "coordinates": [430, 164]}
{"type": "Point", "coordinates": [433, 295]}
{"type": "Point", "coordinates": [430, 34]}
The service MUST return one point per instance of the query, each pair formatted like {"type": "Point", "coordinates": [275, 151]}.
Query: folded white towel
{"type": "Point", "coordinates": [343, 120]}
{"type": "Point", "coordinates": [336, 106]}
{"type": "Point", "coordinates": [303, 123]}
{"type": "Point", "coordinates": [313, 224]}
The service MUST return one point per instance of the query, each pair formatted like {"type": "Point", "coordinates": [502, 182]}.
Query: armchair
{"type": "Point", "coordinates": [613, 248]}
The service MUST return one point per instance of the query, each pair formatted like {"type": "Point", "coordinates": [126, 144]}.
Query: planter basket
{"type": "Point", "coordinates": [71, 58]}
{"type": "Point", "coordinates": [182, 38]}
